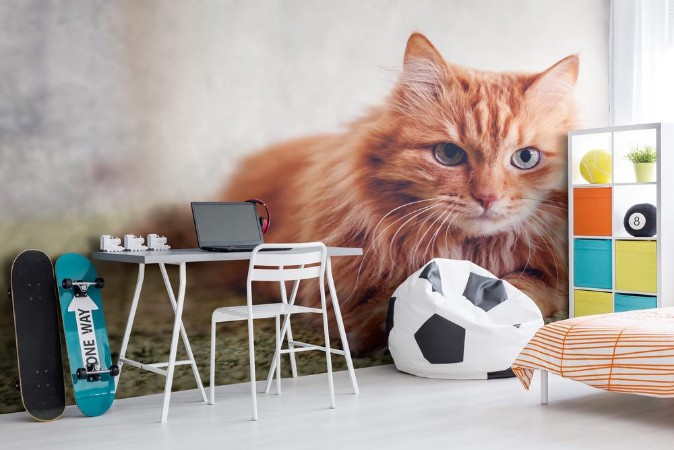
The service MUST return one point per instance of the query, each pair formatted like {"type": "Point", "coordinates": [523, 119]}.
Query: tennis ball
{"type": "Point", "coordinates": [595, 166]}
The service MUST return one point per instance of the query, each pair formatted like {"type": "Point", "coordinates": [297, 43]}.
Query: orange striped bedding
{"type": "Point", "coordinates": [629, 352]}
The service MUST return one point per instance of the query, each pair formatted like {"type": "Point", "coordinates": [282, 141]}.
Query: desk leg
{"type": "Point", "coordinates": [174, 342]}
{"type": "Point", "coordinates": [340, 326]}
{"type": "Point", "coordinates": [129, 322]}
{"type": "Point", "coordinates": [183, 333]}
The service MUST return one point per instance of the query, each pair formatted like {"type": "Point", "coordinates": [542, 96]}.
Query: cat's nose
{"type": "Point", "coordinates": [486, 200]}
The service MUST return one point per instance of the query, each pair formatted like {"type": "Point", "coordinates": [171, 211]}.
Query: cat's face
{"type": "Point", "coordinates": [483, 149]}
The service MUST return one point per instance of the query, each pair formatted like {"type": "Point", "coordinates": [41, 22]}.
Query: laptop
{"type": "Point", "coordinates": [227, 226]}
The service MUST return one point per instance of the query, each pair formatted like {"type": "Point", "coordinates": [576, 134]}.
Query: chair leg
{"type": "Point", "coordinates": [286, 322]}
{"type": "Point", "coordinates": [286, 333]}
{"type": "Point", "coordinates": [251, 355]}
{"type": "Point", "coordinates": [270, 375]}
{"type": "Point", "coordinates": [544, 387]}
{"type": "Point", "coordinates": [291, 346]}
{"type": "Point", "coordinates": [212, 387]}
{"type": "Point", "coordinates": [278, 353]}
{"type": "Point", "coordinates": [328, 353]}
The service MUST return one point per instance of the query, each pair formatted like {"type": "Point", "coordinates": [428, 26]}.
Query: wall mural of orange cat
{"type": "Point", "coordinates": [456, 163]}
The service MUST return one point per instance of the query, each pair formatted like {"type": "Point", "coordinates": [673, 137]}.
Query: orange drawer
{"type": "Point", "coordinates": [592, 211]}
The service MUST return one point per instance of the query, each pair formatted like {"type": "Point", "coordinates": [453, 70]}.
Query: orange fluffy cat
{"type": "Point", "coordinates": [456, 163]}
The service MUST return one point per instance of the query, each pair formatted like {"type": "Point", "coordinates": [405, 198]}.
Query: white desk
{"type": "Point", "coordinates": [181, 258]}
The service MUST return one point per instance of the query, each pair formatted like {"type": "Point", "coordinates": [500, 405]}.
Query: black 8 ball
{"type": "Point", "coordinates": [640, 220]}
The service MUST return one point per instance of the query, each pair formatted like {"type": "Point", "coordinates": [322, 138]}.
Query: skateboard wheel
{"type": "Point", "coordinates": [114, 370]}
{"type": "Point", "coordinates": [99, 283]}
{"type": "Point", "coordinates": [67, 283]}
{"type": "Point", "coordinates": [17, 385]}
{"type": "Point", "coordinates": [81, 374]}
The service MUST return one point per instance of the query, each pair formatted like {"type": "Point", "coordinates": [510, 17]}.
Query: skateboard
{"type": "Point", "coordinates": [91, 368]}
{"type": "Point", "coordinates": [38, 340]}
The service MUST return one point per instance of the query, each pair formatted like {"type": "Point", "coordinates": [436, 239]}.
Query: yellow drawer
{"type": "Point", "coordinates": [636, 266]}
{"type": "Point", "coordinates": [586, 303]}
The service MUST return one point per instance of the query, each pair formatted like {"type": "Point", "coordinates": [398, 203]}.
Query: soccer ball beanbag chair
{"type": "Point", "coordinates": [454, 319]}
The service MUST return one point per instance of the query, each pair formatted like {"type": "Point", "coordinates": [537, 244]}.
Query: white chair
{"type": "Point", "coordinates": [300, 262]}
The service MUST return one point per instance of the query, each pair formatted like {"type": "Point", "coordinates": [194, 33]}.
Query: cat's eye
{"type": "Point", "coordinates": [526, 158]}
{"type": "Point", "coordinates": [449, 154]}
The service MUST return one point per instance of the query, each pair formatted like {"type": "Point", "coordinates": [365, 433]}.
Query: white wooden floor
{"type": "Point", "coordinates": [393, 411]}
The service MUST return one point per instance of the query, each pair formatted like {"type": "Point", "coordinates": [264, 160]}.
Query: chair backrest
{"type": "Point", "coordinates": [299, 262]}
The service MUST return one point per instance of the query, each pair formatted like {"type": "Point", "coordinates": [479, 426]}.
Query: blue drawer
{"type": "Point", "coordinates": [625, 302]}
{"type": "Point", "coordinates": [592, 263]}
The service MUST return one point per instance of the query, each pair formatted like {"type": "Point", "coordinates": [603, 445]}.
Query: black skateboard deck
{"type": "Point", "coordinates": [38, 342]}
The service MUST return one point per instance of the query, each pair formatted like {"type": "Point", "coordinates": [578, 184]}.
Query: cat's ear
{"type": "Point", "coordinates": [425, 72]}
{"type": "Point", "coordinates": [557, 81]}
{"type": "Point", "coordinates": [551, 98]}
{"type": "Point", "coordinates": [419, 48]}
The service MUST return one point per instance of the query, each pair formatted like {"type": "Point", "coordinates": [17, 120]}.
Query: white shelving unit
{"type": "Point", "coordinates": [592, 233]}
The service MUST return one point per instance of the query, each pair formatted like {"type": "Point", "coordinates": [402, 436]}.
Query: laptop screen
{"type": "Point", "coordinates": [224, 224]}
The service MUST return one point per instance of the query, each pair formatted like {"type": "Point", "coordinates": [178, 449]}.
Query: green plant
{"type": "Point", "coordinates": [642, 154]}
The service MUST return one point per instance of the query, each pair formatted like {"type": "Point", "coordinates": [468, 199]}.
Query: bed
{"type": "Point", "coordinates": [630, 352]}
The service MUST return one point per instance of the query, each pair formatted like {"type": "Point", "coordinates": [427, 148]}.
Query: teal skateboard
{"type": "Point", "coordinates": [91, 368]}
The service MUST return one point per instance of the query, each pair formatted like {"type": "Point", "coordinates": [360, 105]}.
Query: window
{"type": "Point", "coordinates": [642, 61]}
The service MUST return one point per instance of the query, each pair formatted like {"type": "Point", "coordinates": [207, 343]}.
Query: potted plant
{"type": "Point", "coordinates": [643, 157]}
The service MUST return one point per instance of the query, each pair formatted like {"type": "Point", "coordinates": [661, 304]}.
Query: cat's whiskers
{"type": "Point", "coordinates": [544, 228]}
{"type": "Point", "coordinates": [545, 231]}
{"type": "Point", "coordinates": [385, 257]}
{"type": "Point", "coordinates": [374, 232]}
{"type": "Point", "coordinates": [561, 208]}
{"type": "Point", "coordinates": [546, 202]}
{"type": "Point", "coordinates": [382, 233]}
{"type": "Point", "coordinates": [452, 219]}
{"type": "Point", "coordinates": [414, 215]}
{"type": "Point", "coordinates": [529, 248]}
{"type": "Point", "coordinates": [420, 240]}
{"type": "Point", "coordinates": [431, 245]}
{"type": "Point", "coordinates": [393, 239]}
{"type": "Point", "coordinates": [552, 202]}
{"type": "Point", "coordinates": [446, 216]}
{"type": "Point", "coordinates": [519, 229]}
{"type": "Point", "coordinates": [422, 229]}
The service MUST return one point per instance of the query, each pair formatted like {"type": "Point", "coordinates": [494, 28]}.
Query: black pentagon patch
{"type": "Point", "coordinates": [441, 341]}
{"type": "Point", "coordinates": [389, 316]}
{"type": "Point", "coordinates": [485, 292]}
{"type": "Point", "coordinates": [517, 325]}
{"type": "Point", "coordinates": [508, 373]}
{"type": "Point", "coordinates": [432, 273]}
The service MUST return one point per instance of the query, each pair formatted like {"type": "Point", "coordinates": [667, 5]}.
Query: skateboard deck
{"type": "Point", "coordinates": [91, 368]}
{"type": "Point", "coordinates": [38, 340]}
